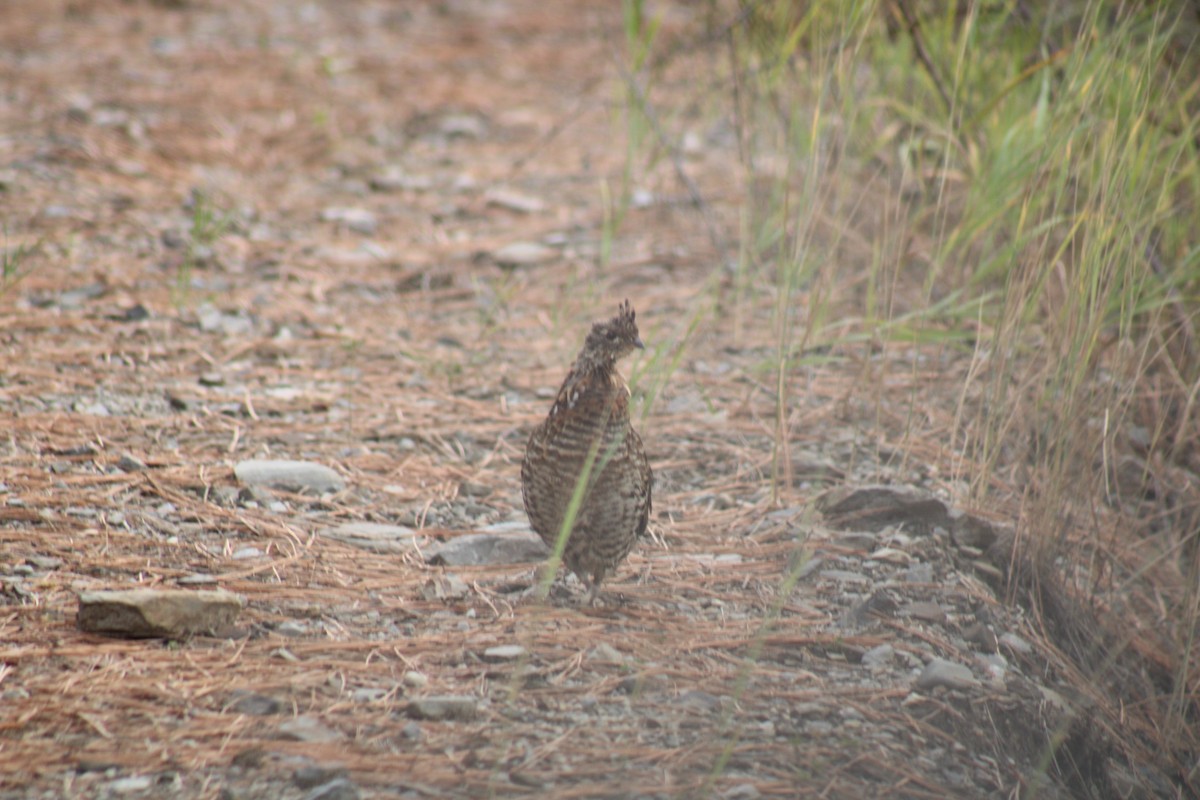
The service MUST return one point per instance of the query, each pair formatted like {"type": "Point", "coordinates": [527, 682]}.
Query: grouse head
{"type": "Point", "coordinates": [612, 339]}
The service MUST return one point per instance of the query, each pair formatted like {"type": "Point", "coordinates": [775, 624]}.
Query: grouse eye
{"type": "Point", "coordinates": [612, 336]}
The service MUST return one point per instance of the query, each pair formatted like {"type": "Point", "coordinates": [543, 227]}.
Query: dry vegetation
{"type": "Point", "coordinates": [182, 285]}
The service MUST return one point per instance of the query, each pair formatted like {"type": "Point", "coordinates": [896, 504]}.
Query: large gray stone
{"type": "Point", "coordinates": [487, 548]}
{"type": "Point", "coordinates": [373, 536]}
{"type": "Point", "coordinates": [292, 476]}
{"type": "Point", "coordinates": [150, 613]}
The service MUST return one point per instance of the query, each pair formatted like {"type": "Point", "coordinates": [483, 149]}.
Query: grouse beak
{"type": "Point", "coordinates": [638, 343]}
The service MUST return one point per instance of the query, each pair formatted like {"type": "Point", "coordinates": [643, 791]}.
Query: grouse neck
{"type": "Point", "coordinates": [591, 364]}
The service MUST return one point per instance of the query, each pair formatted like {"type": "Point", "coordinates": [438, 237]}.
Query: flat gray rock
{"type": "Point", "coordinates": [524, 254]}
{"type": "Point", "coordinates": [150, 613]}
{"type": "Point", "coordinates": [443, 707]}
{"type": "Point", "coordinates": [339, 789]}
{"type": "Point", "coordinates": [308, 729]}
{"type": "Point", "coordinates": [872, 508]}
{"type": "Point", "coordinates": [503, 652]}
{"type": "Point", "coordinates": [487, 548]}
{"type": "Point", "coordinates": [374, 536]}
{"type": "Point", "coordinates": [359, 220]}
{"type": "Point", "coordinates": [940, 672]}
{"type": "Point", "coordinates": [291, 476]}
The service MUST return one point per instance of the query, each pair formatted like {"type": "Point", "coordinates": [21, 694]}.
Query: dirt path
{"type": "Point", "coordinates": [268, 229]}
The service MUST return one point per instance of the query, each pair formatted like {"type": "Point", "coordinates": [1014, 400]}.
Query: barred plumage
{"type": "Point", "coordinates": [588, 432]}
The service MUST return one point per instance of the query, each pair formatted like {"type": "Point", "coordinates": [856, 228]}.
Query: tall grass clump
{"type": "Point", "coordinates": [1019, 184]}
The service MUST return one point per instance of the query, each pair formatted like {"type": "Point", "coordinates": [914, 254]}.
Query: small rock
{"type": "Point", "coordinates": [395, 179]}
{"type": "Point", "coordinates": [605, 653]}
{"type": "Point", "coordinates": [417, 680]}
{"type": "Point", "coordinates": [368, 694]}
{"type": "Point", "coordinates": [440, 707]}
{"type": "Point", "coordinates": [1016, 644]}
{"type": "Point", "coordinates": [699, 700]}
{"type": "Point", "coordinates": [315, 775]}
{"type": "Point", "coordinates": [878, 656]}
{"type": "Point", "coordinates": [940, 672]}
{"type": "Point", "coordinates": [148, 613]}
{"type": "Point", "coordinates": [524, 254]}
{"type": "Point", "coordinates": [445, 587]}
{"type": "Point", "coordinates": [94, 409]}
{"type": "Point", "coordinates": [970, 530]}
{"type": "Point", "coordinates": [198, 579]}
{"type": "Point", "coordinates": [743, 791]}
{"type": "Point", "coordinates": [308, 729]}
{"type": "Point", "coordinates": [244, 553]}
{"type": "Point", "coordinates": [359, 220]}
{"type": "Point", "coordinates": [292, 629]}
{"type": "Point", "coordinates": [918, 573]}
{"type": "Point", "coordinates": [473, 489]}
{"type": "Point", "coordinates": [295, 476]}
{"type": "Point", "coordinates": [844, 576]}
{"type": "Point", "coordinates": [212, 379]}
{"type": "Point", "coordinates": [45, 562]}
{"type": "Point", "coordinates": [130, 785]}
{"type": "Point", "coordinates": [466, 126]}
{"type": "Point", "coordinates": [411, 731]}
{"type": "Point", "coordinates": [925, 610]}
{"type": "Point", "coordinates": [128, 463]}
{"type": "Point", "coordinates": [504, 652]}
{"type": "Point", "coordinates": [514, 201]}
{"type": "Point", "coordinates": [485, 548]}
{"type": "Point", "coordinates": [373, 536]}
{"type": "Point", "coordinates": [340, 789]}
{"type": "Point", "coordinates": [255, 704]}
{"type": "Point", "coordinates": [891, 555]}
{"type": "Point", "coordinates": [878, 507]}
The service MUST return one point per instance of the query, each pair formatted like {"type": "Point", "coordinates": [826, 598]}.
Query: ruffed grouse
{"type": "Point", "coordinates": [586, 441]}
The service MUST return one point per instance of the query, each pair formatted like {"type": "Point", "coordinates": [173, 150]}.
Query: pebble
{"type": "Point", "coordinates": [514, 201]}
{"type": "Point", "coordinates": [417, 680]}
{"type": "Point", "coordinates": [1016, 644]}
{"type": "Point", "coordinates": [296, 476]}
{"type": "Point", "coordinates": [504, 652]}
{"type": "Point", "coordinates": [445, 587]}
{"type": "Point", "coordinates": [844, 576]}
{"type": "Point", "coordinates": [466, 126]}
{"type": "Point", "coordinates": [128, 463]}
{"type": "Point", "coordinates": [135, 783]}
{"type": "Point", "coordinates": [374, 536]}
{"type": "Point", "coordinates": [918, 573]}
{"type": "Point", "coordinates": [605, 653]}
{"type": "Point", "coordinates": [524, 254]}
{"type": "Point", "coordinates": [940, 672]}
{"type": "Point", "coordinates": [925, 610]}
{"type": "Point", "coordinates": [255, 704]}
{"type": "Point", "coordinates": [443, 707]}
{"type": "Point", "coordinates": [311, 775]}
{"type": "Point", "coordinates": [485, 548]}
{"type": "Point", "coordinates": [198, 579]}
{"type": "Point", "coordinates": [292, 629]}
{"type": "Point", "coordinates": [359, 220]}
{"type": "Point", "coordinates": [878, 656]}
{"type": "Point", "coordinates": [308, 729]}
{"type": "Point", "coordinates": [396, 179]}
{"type": "Point", "coordinates": [340, 789]}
